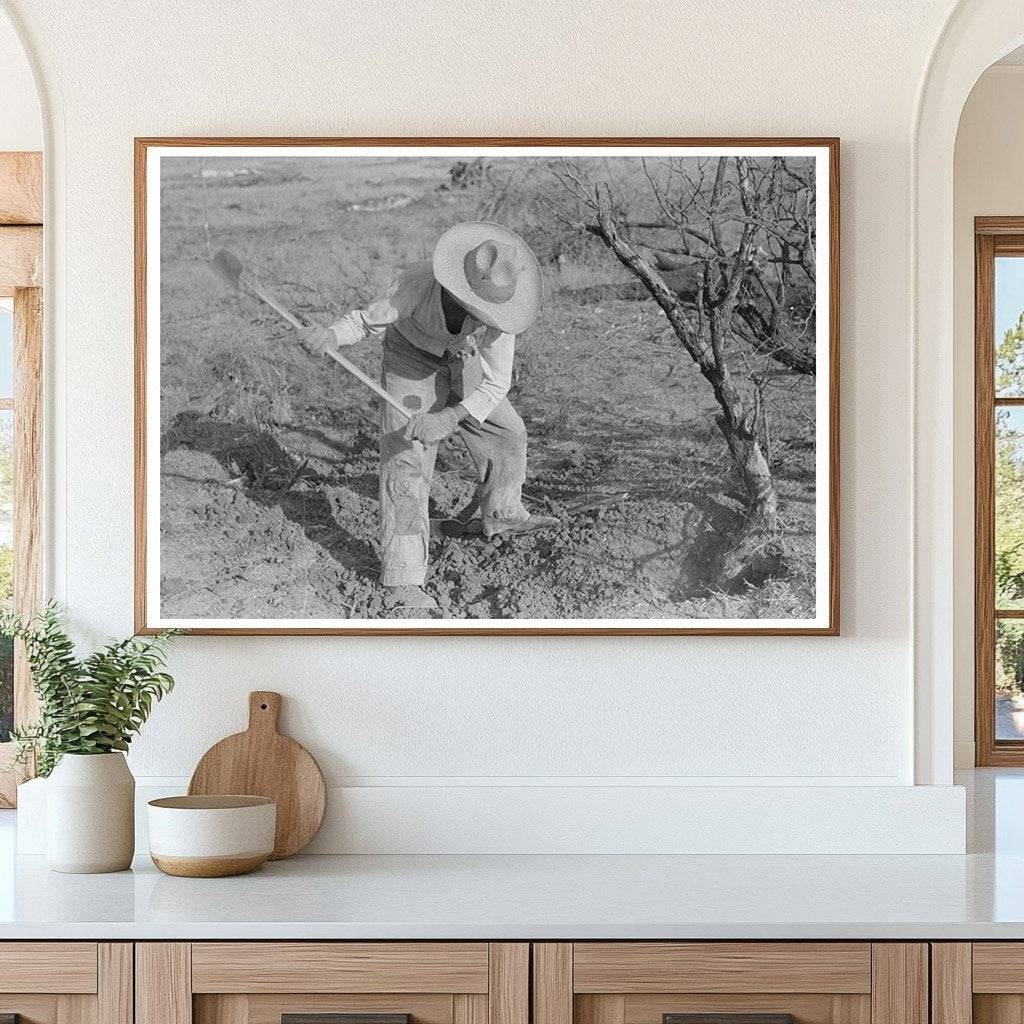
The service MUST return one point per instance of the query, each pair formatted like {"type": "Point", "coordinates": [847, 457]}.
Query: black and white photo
{"type": "Point", "coordinates": [462, 386]}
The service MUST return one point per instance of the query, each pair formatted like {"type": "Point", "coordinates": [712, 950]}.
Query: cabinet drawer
{"type": "Point", "coordinates": [733, 982]}
{"type": "Point", "coordinates": [48, 967]}
{"type": "Point", "coordinates": [66, 982]}
{"type": "Point", "coordinates": [270, 1009]}
{"type": "Point", "coordinates": [998, 967]}
{"type": "Point", "coordinates": [340, 967]}
{"type": "Point", "coordinates": [262, 982]}
{"type": "Point", "coordinates": [630, 967]}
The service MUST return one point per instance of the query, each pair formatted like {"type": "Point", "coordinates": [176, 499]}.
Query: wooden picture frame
{"type": "Point", "coordinates": [825, 620]}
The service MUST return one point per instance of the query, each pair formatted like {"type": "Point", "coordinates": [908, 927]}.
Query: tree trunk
{"type": "Point", "coordinates": [757, 551]}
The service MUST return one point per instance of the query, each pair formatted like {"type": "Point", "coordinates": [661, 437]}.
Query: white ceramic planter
{"type": "Point", "coordinates": [90, 814]}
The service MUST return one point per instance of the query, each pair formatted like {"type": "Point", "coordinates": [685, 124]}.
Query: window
{"type": "Point", "coordinates": [21, 352]}
{"type": "Point", "coordinates": [21, 375]}
{"type": "Point", "coordinates": [999, 490]}
{"type": "Point", "coordinates": [6, 510]}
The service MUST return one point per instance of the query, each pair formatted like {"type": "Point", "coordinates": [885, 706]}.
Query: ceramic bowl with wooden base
{"type": "Point", "coordinates": [211, 836]}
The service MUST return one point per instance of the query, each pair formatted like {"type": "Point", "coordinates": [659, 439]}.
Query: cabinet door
{"type": "Point", "coordinates": [332, 983]}
{"type": "Point", "coordinates": [736, 982]}
{"type": "Point", "coordinates": [980, 982]}
{"type": "Point", "coordinates": [66, 982]}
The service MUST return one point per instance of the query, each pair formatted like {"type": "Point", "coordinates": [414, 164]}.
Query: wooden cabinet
{"type": "Point", "coordinates": [493, 983]}
{"type": "Point", "coordinates": [648, 982]}
{"type": "Point", "coordinates": [260, 982]}
{"type": "Point", "coordinates": [66, 982]}
{"type": "Point", "coordinates": [980, 982]}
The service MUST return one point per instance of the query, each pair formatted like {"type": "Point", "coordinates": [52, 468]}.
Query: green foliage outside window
{"type": "Point", "coordinates": [1009, 511]}
{"type": "Point", "coordinates": [1009, 508]}
{"type": "Point", "coordinates": [1010, 360]}
{"type": "Point", "coordinates": [1010, 472]}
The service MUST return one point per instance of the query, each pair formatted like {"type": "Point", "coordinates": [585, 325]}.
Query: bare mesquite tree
{"type": "Point", "coordinates": [744, 229]}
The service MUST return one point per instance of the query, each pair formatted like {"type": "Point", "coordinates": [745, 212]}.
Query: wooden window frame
{"type": "Point", "coordinates": [21, 271]}
{"type": "Point", "coordinates": [993, 237]}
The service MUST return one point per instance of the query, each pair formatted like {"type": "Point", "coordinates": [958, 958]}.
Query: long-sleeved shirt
{"type": "Point", "coordinates": [413, 308]}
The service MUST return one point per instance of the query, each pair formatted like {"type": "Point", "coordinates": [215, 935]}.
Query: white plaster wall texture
{"type": "Point", "coordinates": [682, 710]}
{"type": "Point", "coordinates": [987, 182]}
{"type": "Point", "coordinates": [21, 123]}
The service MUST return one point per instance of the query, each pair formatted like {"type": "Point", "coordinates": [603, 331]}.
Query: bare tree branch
{"type": "Point", "coordinates": [742, 427]}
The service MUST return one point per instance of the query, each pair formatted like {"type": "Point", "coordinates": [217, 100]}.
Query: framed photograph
{"type": "Point", "coordinates": [487, 386]}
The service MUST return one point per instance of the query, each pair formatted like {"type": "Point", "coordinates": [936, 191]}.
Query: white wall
{"type": "Point", "coordinates": [988, 181]}
{"type": "Point", "coordinates": [21, 125]}
{"type": "Point", "coordinates": [443, 713]}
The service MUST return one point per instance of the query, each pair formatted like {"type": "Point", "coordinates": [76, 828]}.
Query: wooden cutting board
{"type": "Point", "coordinates": [262, 762]}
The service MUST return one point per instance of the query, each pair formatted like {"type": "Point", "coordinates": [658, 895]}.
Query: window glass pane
{"type": "Point", "coordinates": [1009, 322]}
{"type": "Point", "coordinates": [1009, 679]}
{"type": "Point", "coordinates": [6, 567]}
{"type": "Point", "coordinates": [1009, 483]}
{"type": "Point", "coordinates": [6, 351]}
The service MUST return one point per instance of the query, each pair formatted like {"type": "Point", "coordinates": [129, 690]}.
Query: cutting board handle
{"type": "Point", "coordinates": [264, 711]}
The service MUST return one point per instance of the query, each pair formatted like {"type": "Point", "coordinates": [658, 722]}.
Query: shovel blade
{"type": "Point", "coordinates": [229, 268]}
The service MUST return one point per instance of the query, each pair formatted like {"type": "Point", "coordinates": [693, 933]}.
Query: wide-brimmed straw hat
{"type": "Point", "coordinates": [492, 272]}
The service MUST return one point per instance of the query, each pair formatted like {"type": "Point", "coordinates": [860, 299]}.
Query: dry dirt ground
{"type": "Point", "coordinates": [269, 467]}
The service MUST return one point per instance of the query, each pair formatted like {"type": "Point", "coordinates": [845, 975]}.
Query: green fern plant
{"type": "Point", "coordinates": [90, 705]}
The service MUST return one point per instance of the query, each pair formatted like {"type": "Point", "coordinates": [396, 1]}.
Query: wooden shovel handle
{"type": "Point", "coordinates": [369, 382]}
{"type": "Point", "coordinates": [253, 287]}
{"type": "Point", "coordinates": [264, 710]}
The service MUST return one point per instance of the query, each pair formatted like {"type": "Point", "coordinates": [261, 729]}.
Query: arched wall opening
{"type": "Point", "coordinates": [976, 34]}
{"type": "Point", "coordinates": [986, 183]}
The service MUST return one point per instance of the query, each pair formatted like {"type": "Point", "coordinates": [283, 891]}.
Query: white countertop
{"type": "Point", "coordinates": [532, 897]}
{"type": "Point", "coordinates": [978, 896]}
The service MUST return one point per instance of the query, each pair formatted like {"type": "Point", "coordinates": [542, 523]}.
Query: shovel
{"type": "Point", "coordinates": [231, 269]}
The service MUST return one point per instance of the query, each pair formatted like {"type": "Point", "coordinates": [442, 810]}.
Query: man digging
{"type": "Point", "coordinates": [448, 332]}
